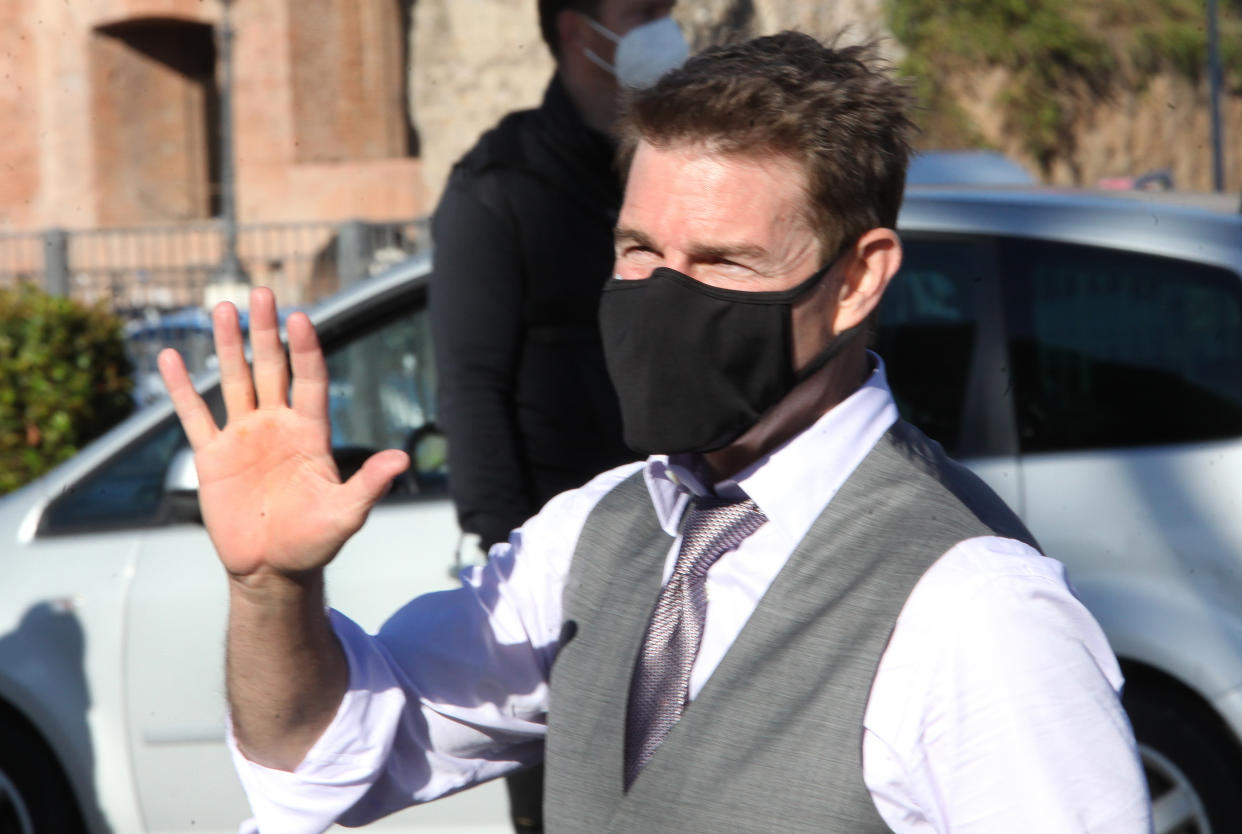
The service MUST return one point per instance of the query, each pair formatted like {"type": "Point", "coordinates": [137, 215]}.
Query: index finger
{"type": "Point", "coordinates": [200, 427]}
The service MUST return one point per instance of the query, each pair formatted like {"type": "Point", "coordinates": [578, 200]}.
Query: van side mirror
{"type": "Point", "coordinates": [428, 450]}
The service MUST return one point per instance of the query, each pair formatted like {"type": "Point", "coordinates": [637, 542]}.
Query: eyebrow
{"type": "Point", "coordinates": [623, 234]}
{"type": "Point", "coordinates": [698, 251]}
{"type": "Point", "coordinates": [726, 252]}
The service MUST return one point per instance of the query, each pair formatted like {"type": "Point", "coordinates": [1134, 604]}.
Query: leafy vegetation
{"type": "Point", "coordinates": [1058, 57]}
{"type": "Point", "coordinates": [64, 380]}
{"type": "Point", "coordinates": [1172, 36]}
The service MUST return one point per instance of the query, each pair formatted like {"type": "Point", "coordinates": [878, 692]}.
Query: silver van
{"type": "Point", "coordinates": [1083, 353]}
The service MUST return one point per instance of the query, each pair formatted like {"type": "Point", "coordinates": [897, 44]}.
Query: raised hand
{"type": "Point", "coordinates": [271, 496]}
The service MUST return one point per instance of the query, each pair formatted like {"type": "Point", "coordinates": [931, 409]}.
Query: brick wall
{"type": "Point", "coordinates": [330, 125]}
{"type": "Point", "coordinates": [109, 120]}
{"type": "Point", "coordinates": [19, 152]}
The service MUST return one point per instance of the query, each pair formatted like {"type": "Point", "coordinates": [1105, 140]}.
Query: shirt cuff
{"type": "Point", "coordinates": [347, 758]}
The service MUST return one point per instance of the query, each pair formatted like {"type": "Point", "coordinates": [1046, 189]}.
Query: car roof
{"type": "Point", "coordinates": [1202, 227]}
{"type": "Point", "coordinates": [974, 166]}
{"type": "Point", "coordinates": [394, 280]}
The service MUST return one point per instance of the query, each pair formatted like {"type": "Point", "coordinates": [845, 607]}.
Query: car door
{"type": "Point", "coordinates": [1128, 392]}
{"type": "Point", "coordinates": [940, 333]}
{"type": "Point", "coordinates": [381, 395]}
{"type": "Point", "coordinates": [62, 641]}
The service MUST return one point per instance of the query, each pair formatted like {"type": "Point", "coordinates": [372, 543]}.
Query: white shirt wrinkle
{"type": "Point", "coordinates": [920, 726]}
{"type": "Point", "coordinates": [1016, 663]}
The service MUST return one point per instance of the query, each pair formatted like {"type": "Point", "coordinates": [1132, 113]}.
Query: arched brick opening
{"type": "Point", "coordinates": [155, 121]}
{"type": "Point", "coordinates": [103, 13]}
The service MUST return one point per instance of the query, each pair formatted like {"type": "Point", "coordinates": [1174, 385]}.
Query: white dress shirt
{"type": "Point", "coordinates": [994, 707]}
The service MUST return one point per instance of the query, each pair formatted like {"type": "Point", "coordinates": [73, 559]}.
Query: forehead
{"type": "Point", "coordinates": [693, 191]}
{"type": "Point", "coordinates": [633, 12]}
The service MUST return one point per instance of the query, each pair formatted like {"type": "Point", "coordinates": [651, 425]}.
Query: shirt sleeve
{"type": "Point", "coordinates": [996, 706]}
{"type": "Point", "coordinates": [476, 319]}
{"type": "Point", "coordinates": [452, 690]}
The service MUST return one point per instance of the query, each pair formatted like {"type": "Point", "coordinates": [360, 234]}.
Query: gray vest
{"type": "Point", "coordinates": [773, 742]}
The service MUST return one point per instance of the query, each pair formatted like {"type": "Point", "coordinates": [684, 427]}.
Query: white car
{"type": "Point", "coordinates": [1082, 353]}
{"type": "Point", "coordinates": [112, 608]}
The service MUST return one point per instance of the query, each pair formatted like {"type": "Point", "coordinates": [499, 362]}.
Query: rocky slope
{"type": "Point", "coordinates": [474, 60]}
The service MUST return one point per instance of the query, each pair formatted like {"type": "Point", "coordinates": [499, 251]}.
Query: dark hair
{"type": "Point", "coordinates": [836, 112]}
{"type": "Point", "coordinates": [549, 9]}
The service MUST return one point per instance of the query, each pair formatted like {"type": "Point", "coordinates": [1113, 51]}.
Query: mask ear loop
{"type": "Point", "coordinates": [830, 352]}
{"type": "Point", "coordinates": [794, 293]}
{"type": "Point", "coordinates": [838, 343]}
{"type": "Point", "coordinates": [594, 58]}
{"type": "Point", "coordinates": [591, 54]}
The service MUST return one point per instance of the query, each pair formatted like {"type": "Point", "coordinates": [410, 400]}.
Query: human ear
{"type": "Point", "coordinates": [873, 261]}
{"type": "Point", "coordinates": [569, 31]}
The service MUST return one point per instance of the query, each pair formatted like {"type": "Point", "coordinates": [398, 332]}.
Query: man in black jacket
{"type": "Point", "coordinates": [524, 244]}
{"type": "Point", "coordinates": [523, 237]}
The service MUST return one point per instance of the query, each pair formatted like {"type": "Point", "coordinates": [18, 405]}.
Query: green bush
{"type": "Point", "coordinates": [64, 380]}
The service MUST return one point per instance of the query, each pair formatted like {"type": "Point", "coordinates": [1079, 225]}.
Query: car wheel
{"type": "Point", "coordinates": [34, 795]}
{"type": "Point", "coordinates": [1190, 762]}
{"type": "Point", "coordinates": [14, 815]}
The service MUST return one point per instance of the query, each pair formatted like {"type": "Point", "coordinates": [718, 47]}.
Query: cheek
{"type": "Point", "coordinates": [811, 324]}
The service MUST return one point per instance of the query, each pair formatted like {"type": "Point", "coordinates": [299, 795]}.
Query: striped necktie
{"type": "Point", "coordinates": [661, 682]}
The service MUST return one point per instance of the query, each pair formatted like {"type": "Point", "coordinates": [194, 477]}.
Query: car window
{"type": "Point", "coordinates": [382, 396]}
{"type": "Point", "coordinates": [926, 333]}
{"type": "Point", "coordinates": [126, 491]}
{"type": "Point", "coordinates": [1116, 348]}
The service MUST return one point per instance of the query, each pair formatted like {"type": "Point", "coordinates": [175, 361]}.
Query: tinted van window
{"type": "Point", "coordinates": [926, 334]}
{"type": "Point", "coordinates": [382, 396]}
{"type": "Point", "coordinates": [1120, 349]}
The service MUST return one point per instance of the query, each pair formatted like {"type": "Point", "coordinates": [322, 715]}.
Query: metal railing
{"type": "Point", "coordinates": [159, 268]}
{"type": "Point", "coordinates": [156, 277]}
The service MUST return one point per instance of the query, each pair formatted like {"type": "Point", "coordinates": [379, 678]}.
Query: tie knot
{"type": "Point", "coordinates": [715, 526]}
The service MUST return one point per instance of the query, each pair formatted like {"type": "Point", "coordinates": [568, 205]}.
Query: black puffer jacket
{"type": "Point", "coordinates": [523, 245]}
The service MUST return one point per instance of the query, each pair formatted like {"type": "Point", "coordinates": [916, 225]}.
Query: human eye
{"type": "Point", "coordinates": [635, 249]}
{"type": "Point", "coordinates": [635, 259]}
{"type": "Point", "coordinates": [725, 272]}
{"type": "Point", "coordinates": [728, 264]}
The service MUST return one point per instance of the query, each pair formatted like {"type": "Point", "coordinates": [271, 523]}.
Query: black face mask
{"type": "Point", "coordinates": [695, 366]}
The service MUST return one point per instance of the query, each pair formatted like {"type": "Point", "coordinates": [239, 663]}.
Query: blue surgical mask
{"type": "Point", "coordinates": [644, 53]}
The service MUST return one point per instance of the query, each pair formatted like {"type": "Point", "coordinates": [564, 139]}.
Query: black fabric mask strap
{"type": "Point", "coordinates": [830, 352]}
{"type": "Point", "coordinates": [794, 293]}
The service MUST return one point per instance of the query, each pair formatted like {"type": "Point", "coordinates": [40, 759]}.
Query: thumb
{"type": "Point", "coordinates": [371, 481]}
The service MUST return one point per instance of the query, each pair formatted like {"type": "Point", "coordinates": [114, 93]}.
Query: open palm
{"type": "Point", "coordinates": [270, 493]}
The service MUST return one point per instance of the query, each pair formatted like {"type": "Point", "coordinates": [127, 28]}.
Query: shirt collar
{"type": "Point", "coordinates": [795, 481]}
